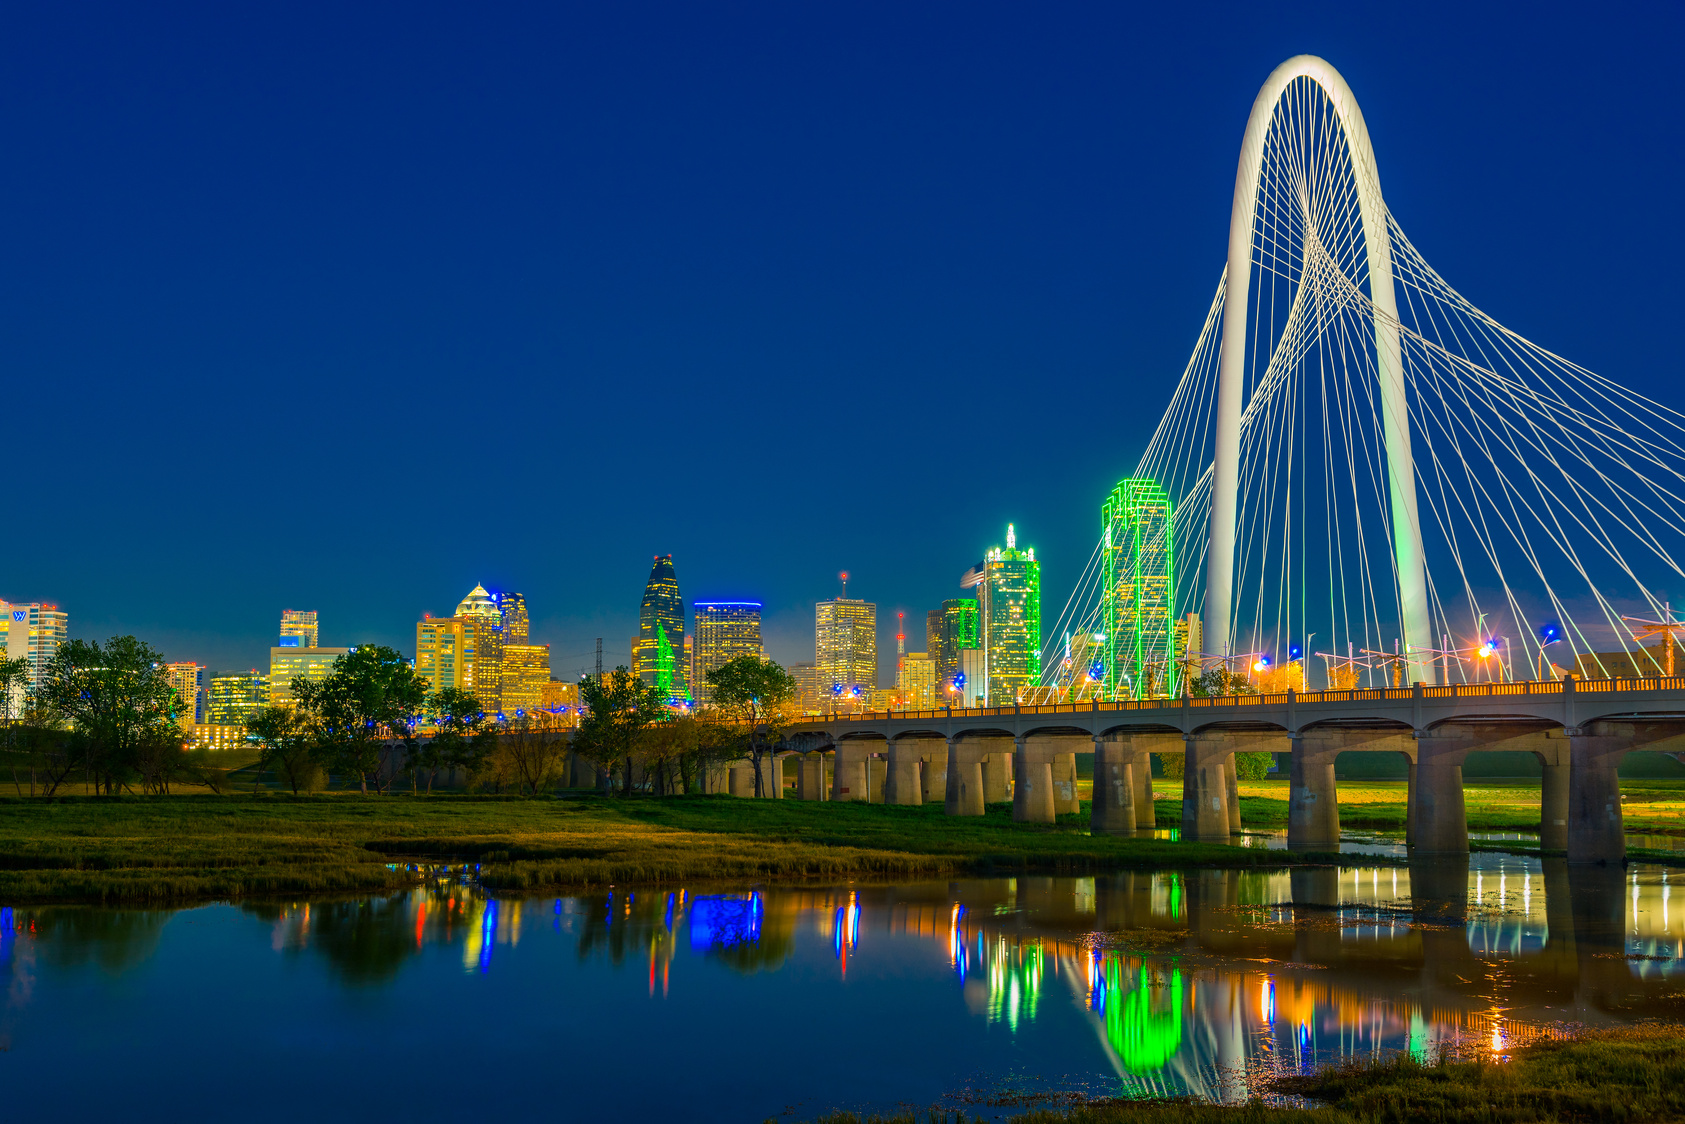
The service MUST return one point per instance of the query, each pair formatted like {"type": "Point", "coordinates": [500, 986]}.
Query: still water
{"type": "Point", "coordinates": [738, 1004]}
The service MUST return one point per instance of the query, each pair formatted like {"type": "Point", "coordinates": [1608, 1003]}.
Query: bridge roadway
{"type": "Point", "coordinates": [1578, 729]}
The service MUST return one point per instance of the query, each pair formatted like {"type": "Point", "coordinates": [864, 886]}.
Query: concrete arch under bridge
{"type": "Point", "coordinates": [1577, 730]}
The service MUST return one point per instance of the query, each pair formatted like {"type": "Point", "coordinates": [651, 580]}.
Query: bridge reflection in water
{"type": "Point", "coordinates": [1192, 981]}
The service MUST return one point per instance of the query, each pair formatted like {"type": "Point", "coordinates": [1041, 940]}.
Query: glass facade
{"type": "Point", "coordinates": [1139, 592]}
{"type": "Point", "coordinates": [234, 698]}
{"type": "Point", "coordinates": [187, 680]}
{"type": "Point", "coordinates": [300, 623]}
{"type": "Point", "coordinates": [34, 633]}
{"type": "Point", "coordinates": [955, 627]}
{"type": "Point", "coordinates": [725, 631]}
{"type": "Point", "coordinates": [526, 670]}
{"type": "Point", "coordinates": [658, 657]}
{"type": "Point", "coordinates": [513, 606]}
{"type": "Point", "coordinates": [1009, 612]}
{"type": "Point", "coordinates": [846, 650]}
{"type": "Point", "coordinates": [288, 664]}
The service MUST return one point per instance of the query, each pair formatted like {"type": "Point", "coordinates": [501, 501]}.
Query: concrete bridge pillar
{"type": "Point", "coordinates": [998, 778]}
{"type": "Point", "coordinates": [854, 777]}
{"type": "Point", "coordinates": [1205, 797]}
{"type": "Point", "coordinates": [1113, 807]}
{"type": "Point", "coordinates": [1410, 804]}
{"type": "Point", "coordinates": [1313, 803]}
{"type": "Point", "coordinates": [1595, 831]}
{"type": "Point", "coordinates": [1032, 798]}
{"type": "Point", "coordinates": [742, 779]}
{"type": "Point", "coordinates": [772, 777]}
{"type": "Point", "coordinates": [963, 779]}
{"type": "Point", "coordinates": [1441, 822]}
{"type": "Point", "coordinates": [933, 770]}
{"type": "Point", "coordinates": [810, 780]}
{"type": "Point", "coordinates": [1138, 748]}
{"type": "Point", "coordinates": [903, 785]}
{"type": "Point", "coordinates": [1553, 792]}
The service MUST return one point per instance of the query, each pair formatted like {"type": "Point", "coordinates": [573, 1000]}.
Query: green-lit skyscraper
{"type": "Point", "coordinates": [661, 631]}
{"type": "Point", "coordinates": [1009, 617]}
{"type": "Point", "coordinates": [948, 632]}
{"type": "Point", "coordinates": [1139, 653]}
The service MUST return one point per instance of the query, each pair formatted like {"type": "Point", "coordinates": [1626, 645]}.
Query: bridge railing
{"type": "Point", "coordinates": [1371, 694]}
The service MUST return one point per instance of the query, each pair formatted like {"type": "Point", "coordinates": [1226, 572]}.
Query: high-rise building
{"type": "Point", "coordinates": [915, 681]}
{"type": "Point", "coordinates": [659, 651]}
{"type": "Point", "coordinates": [464, 651]}
{"type": "Point", "coordinates": [560, 703]}
{"type": "Point", "coordinates": [526, 669]}
{"type": "Point", "coordinates": [235, 697]}
{"type": "Point", "coordinates": [1009, 614]}
{"type": "Point", "coordinates": [846, 649]}
{"type": "Point", "coordinates": [513, 606]}
{"type": "Point", "coordinates": [187, 680]}
{"type": "Point", "coordinates": [808, 695]}
{"type": "Point", "coordinates": [300, 623]}
{"type": "Point", "coordinates": [725, 630]}
{"type": "Point", "coordinates": [34, 632]}
{"type": "Point", "coordinates": [289, 664]}
{"type": "Point", "coordinates": [955, 629]}
{"type": "Point", "coordinates": [1138, 587]}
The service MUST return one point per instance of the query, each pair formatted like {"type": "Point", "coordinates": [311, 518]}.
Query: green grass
{"type": "Point", "coordinates": [1631, 1074]}
{"type": "Point", "coordinates": [150, 849]}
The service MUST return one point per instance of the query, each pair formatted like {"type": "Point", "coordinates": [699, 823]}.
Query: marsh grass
{"type": "Point", "coordinates": [1630, 1074]}
{"type": "Point", "coordinates": [152, 849]}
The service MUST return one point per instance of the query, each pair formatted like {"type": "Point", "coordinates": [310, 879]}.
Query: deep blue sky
{"type": "Point", "coordinates": [349, 307]}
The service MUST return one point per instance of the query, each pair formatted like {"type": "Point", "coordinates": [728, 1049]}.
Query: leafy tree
{"type": "Point", "coordinates": [464, 737]}
{"type": "Point", "coordinates": [1253, 766]}
{"type": "Point", "coordinates": [750, 691]}
{"type": "Point", "coordinates": [118, 698]}
{"type": "Point", "coordinates": [285, 746]}
{"type": "Point", "coordinates": [532, 753]}
{"type": "Point", "coordinates": [370, 696]}
{"type": "Point", "coordinates": [1220, 682]}
{"type": "Point", "coordinates": [617, 709]}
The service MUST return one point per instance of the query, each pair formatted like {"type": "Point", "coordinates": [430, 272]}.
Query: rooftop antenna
{"type": "Point", "coordinates": [900, 635]}
{"type": "Point", "coordinates": [843, 577]}
{"type": "Point", "coordinates": [599, 659]}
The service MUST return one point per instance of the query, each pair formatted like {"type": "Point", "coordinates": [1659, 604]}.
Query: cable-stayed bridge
{"type": "Point", "coordinates": [1372, 517]}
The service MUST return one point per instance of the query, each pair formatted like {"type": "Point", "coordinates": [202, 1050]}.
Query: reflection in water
{"type": "Point", "coordinates": [1186, 981]}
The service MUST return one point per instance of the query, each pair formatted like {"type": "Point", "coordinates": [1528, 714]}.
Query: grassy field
{"type": "Point", "coordinates": [134, 849]}
{"type": "Point", "coordinates": [1631, 1074]}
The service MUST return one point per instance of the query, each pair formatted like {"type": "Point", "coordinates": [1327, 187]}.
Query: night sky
{"type": "Point", "coordinates": [349, 307]}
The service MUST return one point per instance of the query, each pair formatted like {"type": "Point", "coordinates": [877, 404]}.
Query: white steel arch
{"type": "Point", "coordinates": [1225, 483]}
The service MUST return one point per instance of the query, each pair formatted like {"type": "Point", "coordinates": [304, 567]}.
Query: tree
{"type": "Point", "coordinates": [618, 707]}
{"type": "Point", "coordinates": [118, 699]}
{"type": "Point", "coordinates": [285, 746]}
{"type": "Point", "coordinates": [371, 695]}
{"type": "Point", "coordinates": [464, 737]}
{"type": "Point", "coordinates": [1220, 682]}
{"type": "Point", "coordinates": [532, 753]}
{"type": "Point", "coordinates": [749, 690]}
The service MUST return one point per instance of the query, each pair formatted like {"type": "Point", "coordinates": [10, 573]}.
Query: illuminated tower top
{"type": "Point", "coordinates": [1009, 615]}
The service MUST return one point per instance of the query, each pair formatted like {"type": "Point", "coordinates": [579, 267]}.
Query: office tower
{"type": "Point", "coordinates": [34, 632]}
{"type": "Point", "coordinates": [526, 670]}
{"type": "Point", "coordinates": [1137, 585]}
{"type": "Point", "coordinates": [915, 681]}
{"type": "Point", "coordinates": [300, 623]}
{"type": "Point", "coordinates": [513, 606]}
{"type": "Point", "coordinates": [289, 664]}
{"type": "Point", "coordinates": [846, 649]}
{"type": "Point", "coordinates": [1009, 613]}
{"type": "Point", "coordinates": [690, 659]}
{"type": "Point", "coordinates": [970, 683]}
{"type": "Point", "coordinates": [187, 680]}
{"type": "Point", "coordinates": [659, 653]}
{"type": "Point", "coordinates": [956, 630]}
{"type": "Point", "coordinates": [806, 675]}
{"type": "Point", "coordinates": [725, 630]}
{"type": "Point", "coordinates": [464, 651]}
{"type": "Point", "coordinates": [560, 703]}
{"type": "Point", "coordinates": [1190, 645]}
{"type": "Point", "coordinates": [235, 697]}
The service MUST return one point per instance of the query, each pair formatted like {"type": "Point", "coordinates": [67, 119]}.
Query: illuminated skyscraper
{"type": "Point", "coordinates": [300, 623]}
{"type": "Point", "coordinates": [1009, 614]}
{"type": "Point", "coordinates": [808, 693]}
{"type": "Point", "coordinates": [955, 629]}
{"type": "Point", "coordinates": [234, 698]}
{"type": "Point", "coordinates": [659, 654]}
{"type": "Point", "coordinates": [846, 649]}
{"type": "Point", "coordinates": [725, 630]}
{"type": "Point", "coordinates": [526, 670]}
{"type": "Point", "coordinates": [1138, 586]}
{"type": "Point", "coordinates": [915, 680]}
{"type": "Point", "coordinates": [464, 651]}
{"type": "Point", "coordinates": [187, 680]}
{"type": "Point", "coordinates": [290, 663]}
{"type": "Point", "coordinates": [34, 632]}
{"type": "Point", "coordinates": [514, 609]}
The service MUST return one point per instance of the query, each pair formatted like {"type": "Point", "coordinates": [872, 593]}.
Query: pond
{"type": "Point", "coordinates": [741, 1003]}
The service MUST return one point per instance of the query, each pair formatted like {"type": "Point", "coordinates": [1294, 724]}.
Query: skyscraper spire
{"type": "Point", "coordinates": [661, 629]}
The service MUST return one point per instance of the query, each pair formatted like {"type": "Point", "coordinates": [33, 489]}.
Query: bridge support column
{"type": "Point", "coordinates": [772, 780]}
{"type": "Point", "coordinates": [964, 779]}
{"type": "Point", "coordinates": [1112, 811]}
{"type": "Point", "coordinates": [1595, 831]}
{"type": "Point", "coordinates": [1032, 798]}
{"type": "Point", "coordinates": [902, 784]}
{"type": "Point", "coordinates": [1555, 759]}
{"type": "Point", "coordinates": [1410, 804]}
{"type": "Point", "coordinates": [1146, 814]}
{"type": "Point", "coordinates": [743, 779]}
{"type": "Point", "coordinates": [997, 777]}
{"type": "Point", "coordinates": [853, 778]}
{"type": "Point", "coordinates": [1313, 803]}
{"type": "Point", "coordinates": [810, 778]}
{"type": "Point", "coordinates": [933, 770]}
{"type": "Point", "coordinates": [1231, 785]}
{"type": "Point", "coordinates": [1205, 800]}
{"type": "Point", "coordinates": [1442, 826]}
